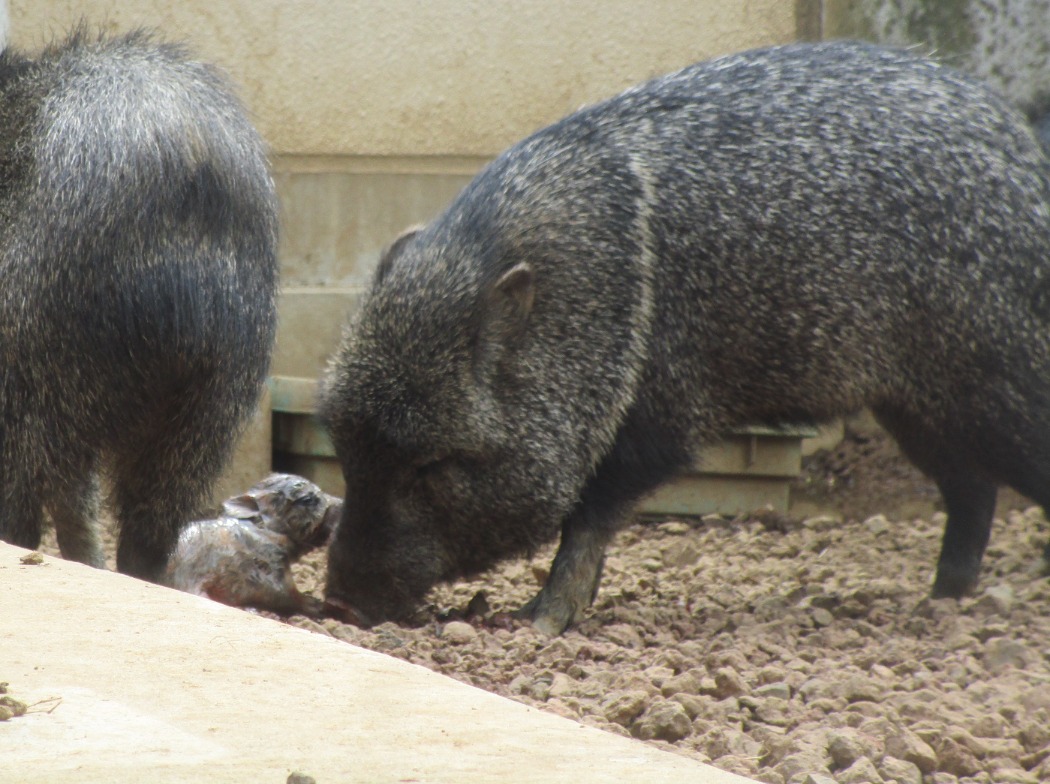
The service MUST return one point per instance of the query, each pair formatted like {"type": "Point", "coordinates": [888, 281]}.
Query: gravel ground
{"type": "Point", "coordinates": [797, 648]}
{"type": "Point", "coordinates": [786, 648]}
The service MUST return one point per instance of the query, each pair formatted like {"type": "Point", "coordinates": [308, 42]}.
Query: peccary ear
{"type": "Point", "coordinates": [242, 507]}
{"type": "Point", "coordinates": [505, 310]}
{"type": "Point", "coordinates": [510, 301]}
{"type": "Point", "coordinates": [387, 258]}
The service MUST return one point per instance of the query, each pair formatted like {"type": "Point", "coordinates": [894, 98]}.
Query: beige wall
{"type": "Point", "coordinates": [378, 113]}
{"type": "Point", "coordinates": [412, 77]}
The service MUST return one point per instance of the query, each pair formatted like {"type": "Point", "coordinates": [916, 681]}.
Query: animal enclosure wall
{"type": "Point", "coordinates": [377, 114]}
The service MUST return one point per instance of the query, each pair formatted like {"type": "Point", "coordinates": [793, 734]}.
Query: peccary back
{"type": "Point", "coordinates": [138, 260]}
{"type": "Point", "coordinates": [780, 236]}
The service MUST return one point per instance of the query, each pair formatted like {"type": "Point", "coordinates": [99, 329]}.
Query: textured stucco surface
{"type": "Point", "coordinates": [1006, 43]}
{"type": "Point", "coordinates": [403, 77]}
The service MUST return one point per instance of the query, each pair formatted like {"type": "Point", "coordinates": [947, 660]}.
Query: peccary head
{"type": "Point", "coordinates": [290, 506]}
{"type": "Point", "coordinates": [472, 396]}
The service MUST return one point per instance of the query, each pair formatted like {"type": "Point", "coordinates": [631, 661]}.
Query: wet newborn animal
{"type": "Point", "coordinates": [244, 557]}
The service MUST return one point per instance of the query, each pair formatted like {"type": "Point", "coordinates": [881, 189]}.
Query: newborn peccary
{"type": "Point", "coordinates": [780, 236]}
{"type": "Point", "coordinates": [244, 557]}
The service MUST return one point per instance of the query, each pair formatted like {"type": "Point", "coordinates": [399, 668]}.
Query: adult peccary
{"type": "Point", "coordinates": [138, 273]}
{"type": "Point", "coordinates": [779, 236]}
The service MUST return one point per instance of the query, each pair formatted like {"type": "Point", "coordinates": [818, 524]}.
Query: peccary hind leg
{"type": "Point", "coordinates": [21, 516]}
{"type": "Point", "coordinates": [970, 503]}
{"type": "Point", "coordinates": [74, 507]}
{"type": "Point", "coordinates": [969, 498]}
{"type": "Point", "coordinates": [161, 487]}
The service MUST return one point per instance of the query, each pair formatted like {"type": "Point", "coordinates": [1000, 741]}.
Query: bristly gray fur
{"type": "Point", "coordinates": [138, 231]}
{"type": "Point", "coordinates": [779, 236]}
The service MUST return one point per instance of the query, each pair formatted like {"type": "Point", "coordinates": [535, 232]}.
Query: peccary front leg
{"type": "Point", "coordinates": [645, 455]}
{"type": "Point", "coordinates": [575, 574]}
{"type": "Point", "coordinates": [970, 503]}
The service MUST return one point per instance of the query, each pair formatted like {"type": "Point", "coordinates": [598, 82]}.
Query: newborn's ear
{"type": "Point", "coordinates": [243, 507]}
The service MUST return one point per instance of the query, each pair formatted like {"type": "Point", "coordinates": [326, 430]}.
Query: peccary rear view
{"type": "Point", "coordinates": [780, 236]}
{"type": "Point", "coordinates": [138, 266]}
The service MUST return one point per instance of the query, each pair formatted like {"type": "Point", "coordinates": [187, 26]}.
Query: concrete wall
{"type": "Point", "coordinates": [378, 112]}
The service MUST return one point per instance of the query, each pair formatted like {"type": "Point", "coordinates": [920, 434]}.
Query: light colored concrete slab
{"type": "Point", "coordinates": [159, 686]}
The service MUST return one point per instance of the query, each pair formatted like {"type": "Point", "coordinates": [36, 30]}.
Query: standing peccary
{"type": "Point", "coordinates": [138, 270]}
{"type": "Point", "coordinates": [781, 236]}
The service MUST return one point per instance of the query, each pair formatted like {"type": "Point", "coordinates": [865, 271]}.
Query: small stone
{"type": "Point", "coordinates": [1010, 772]}
{"type": "Point", "coordinates": [459, 632]}
{"type": "Point", "coordinates": [877, 525]}
{"type": "Point", "coordinates": [674, 528]}
{"type": "Point", "coordinates": [300, 778]}
{"type": "Point", "coordinates": [822, 523]}
{"type": "Point", "coordinates": [859, 688]}
{"type": "Point", "coordinates": [862, 771]}
{"type": "Point", "coordinates": [846, 746]}
{"type": "Point", "coordinates": [728, 683]}
{"type": "Point", "coordinates": [1002, 652]}
{"type": "Point", "coordinates": [665, 720]}
{"type": "Point", "coordinates": [821, 617]}
{"type": "Point", "coordinates": [820, 689]}
{"type": "Point", "coordinates": [801, 764]}
{"type": "Point", "coordinates": [900, 771]}
{"type": "Point", "coordinates": [658, 675]}
{"type": "Point", "coordinates": [693, 704]}
{"type": "Point", "coordinates": [624, 635]}
{"type": "Point", "coordinates": [955, 758]}
{"type": "Point", "coordinates": [908, 746]}
{"type": "Point", "coordinates": [561, 685]}
{"type": "Point", "coordinates": [680, 554]}
{"type": "Point", "coordinates": [780, 691]}
{"type": "Point", "coordinates": [773, 711]}
{"type": "Point", "coordinates": [31, 559]}
{"type": "Point", "coordinates": [683, 683]}
{"type": "Point", "coordinates": [539, 688]}
{"type": "Point", "coordinates": [991, 725]}
{"type": "Point", "coordinates": [623, 707]}
{"type": "Point", "coordinates": [996, 600]}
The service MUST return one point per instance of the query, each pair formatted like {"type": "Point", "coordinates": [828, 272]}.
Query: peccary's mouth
{"type": "Point", "coordinates": [342, 611]}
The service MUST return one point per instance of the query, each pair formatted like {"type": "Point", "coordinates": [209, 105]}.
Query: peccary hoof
{"type": "Point", "coordinates": [953, 582]}
{"type": "Point", "coordinates": [552, 616]}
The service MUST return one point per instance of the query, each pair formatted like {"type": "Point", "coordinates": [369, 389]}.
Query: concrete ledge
{"type": "Point", "coordinates": [161, 686]}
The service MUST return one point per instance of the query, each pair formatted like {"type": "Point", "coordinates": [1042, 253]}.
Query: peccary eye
{"type": "Point", "coordinates": [432, 464]}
